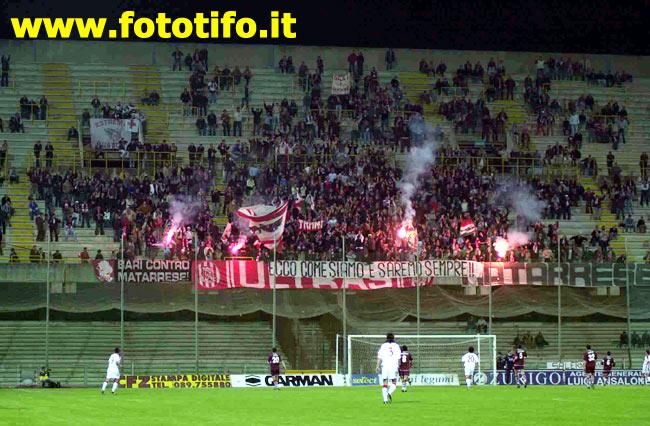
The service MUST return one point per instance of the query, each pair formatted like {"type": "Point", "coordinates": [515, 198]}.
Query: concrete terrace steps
{"type": "Point", "coordinates": [19, 234]}
{"type": "Point", "coordinates": [162, 347]}
{"type": "Point", "coordinates": [144, 81]}
{"type": "Point", "coordinates": [57, 86]}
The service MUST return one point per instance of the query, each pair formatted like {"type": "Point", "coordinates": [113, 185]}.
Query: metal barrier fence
{"type": "Point", "coordinates": [577, 305]}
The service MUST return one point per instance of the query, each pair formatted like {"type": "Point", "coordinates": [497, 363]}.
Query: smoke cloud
{"type": "Point", "coordinates": [183, 211]}
{"type": "Point", "coordinates": [420, 159]}
{"type": "Point", "coordinates": [519, 198]}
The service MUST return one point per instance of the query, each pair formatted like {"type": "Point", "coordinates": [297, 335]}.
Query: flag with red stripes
{"type": "Point", "coordinates": [265, 222]}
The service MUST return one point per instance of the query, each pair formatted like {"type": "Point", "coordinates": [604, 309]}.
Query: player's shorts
{"type": "Point", "coordinates": [590, 369]}
{"type": "Point", "coordinates": [646, 369]}
{"type": "Point", "coordinates": [469, 371]}
{"type": "Point", "coordinates": [388, 373]}
{"type": "Point", "coordinates": [519, 367]}
{"type": "Point", "coordinates": [404, 373]}
{"type": "Point", "coordinates": [607, 371]}
{"type": "Point", "coordinates": [112, 373]}
{"type": "Point", "coordinates": [275, 371]}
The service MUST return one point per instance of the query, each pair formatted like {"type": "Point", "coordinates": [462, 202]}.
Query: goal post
{"type": "Point", "coordinates": [433, 354]}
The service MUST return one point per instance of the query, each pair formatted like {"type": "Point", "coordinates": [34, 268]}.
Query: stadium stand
{"type": "Point", "coordinates": [340, 133]}
{"type": "Point", "coordinates": [161, 347]}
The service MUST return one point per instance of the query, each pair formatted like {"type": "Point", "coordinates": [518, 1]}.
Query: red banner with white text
{"type": "Point", "coordinates": [223, 275]}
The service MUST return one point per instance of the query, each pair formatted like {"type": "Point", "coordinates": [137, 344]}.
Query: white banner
{"type": "Point", "coordinates": [106, 133]}
{"type": "Point", "coordinates": [376, 270]}
{"type": "Point", "coordinates": [569, 365]}
{"type": "Point", "coordinates": [340, 84]}
{"type": "Point", "coordinates": [287, 380]}
{"type": "Point", "coordinates": [306, 226]}
{"type": "Point", "coordinates": [434, 380]}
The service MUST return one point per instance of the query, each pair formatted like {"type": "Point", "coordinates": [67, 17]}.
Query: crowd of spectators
{"type": "Point", "coordinates": [350, 184]}
{"type": "Point", "coordinates": [474, 117]}
{"type": "Point", "coordinates": [136, 208]}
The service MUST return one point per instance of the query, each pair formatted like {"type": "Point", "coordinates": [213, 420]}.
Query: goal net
{"type": "Point", "coordinates": [432, 354]}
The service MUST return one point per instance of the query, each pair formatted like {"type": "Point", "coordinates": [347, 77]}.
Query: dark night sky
{"type": "Point", "coordinates": [594, 26]}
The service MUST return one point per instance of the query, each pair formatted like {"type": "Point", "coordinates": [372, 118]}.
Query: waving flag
{"type": "Point", "coordinates": [467, 227]}
{"type": "Point", "coordinates": [266, 222]}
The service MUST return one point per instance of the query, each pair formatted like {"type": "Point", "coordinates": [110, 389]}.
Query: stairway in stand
{"type": "Point", "coordinates": [20, 235]}
{"type": "Point", "coordinates": [57, 88]}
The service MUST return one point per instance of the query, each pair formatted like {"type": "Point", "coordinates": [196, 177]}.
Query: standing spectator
{"type": "Point", "coordinates": [610, 162]}
{"type": "Point", "coordinates": [96, 104]}
{"type": "Point", "coordinates": [257, 121]}
{"type": "Point", "coordinates": [621, 126]}
{"type": "Point", "coordinates": [4, 81]}
{"type": "Point", "coordinates": [37, 154]}
{"type": "Point", "coordinates": [40, 227]}
{"type": "Point", "coordinates": [390, 58]}
{"type": "Point", "coordinates": [237, 120]}
{"type": "Point", "coordinates": [43, 108]}
{"type": "Point", "coordinates": [574, 121]}
{"type": "Point", "coordinates": [212, 124]}
{"type": "Point", "coordinates": [644, 188]}
{"type": "Point", "coordinates": [49, 154]}
{"type": "Point", "coordinates": [53, 223]}
{"type": "Point", "coordinates": [352, 62]}
{"type": "Point", "coordinates": [177, 57]}
{"type": "Point", "coordinates": [213, 87]}
{"type": "Point", "coordinates": [245, 100]}
{"type": "Point", "coordinates": [510, 88]}
{"type": "Point", "coordinates": [201, 125]}
{"type": "Point", "coordinates": [191, 153]}
{"type": "Point", "coordinates": [540, 341]}
{"type": "Point", "coordinates": [225, 123]}
{"type": "Point", "coordinates": [186, 98]}
{"type": "Point", "coordinates": [360, 61]}
{"type": "Point", "coordinates": [99, 221]}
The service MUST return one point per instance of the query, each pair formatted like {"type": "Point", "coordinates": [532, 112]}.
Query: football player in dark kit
{"type": "Point", "coordinates": [405, 362]}
{"type": "Point", "coordinates": [274, 361]}
{"type": "Point", "coordinates": [590, 358]}
{"type": "Point", "coordinates": [520, 365]}
{"type": "Point", "coordinates": [608, 364]}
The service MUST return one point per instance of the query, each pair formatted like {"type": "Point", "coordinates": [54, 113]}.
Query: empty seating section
{"type": "Point", "coordinates": [78, 351]}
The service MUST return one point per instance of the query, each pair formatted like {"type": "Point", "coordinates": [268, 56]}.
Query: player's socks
{"type": "Point", "coordinates": [391, 388]}
{"type": "Point", "coordinates": [468, 382]}
{"type": "Point", "coordinates": [114, 387]}
{"type": "Point", "coordinates": [104, 386]}
{"type": "Point", "coordinates": [384, 393]}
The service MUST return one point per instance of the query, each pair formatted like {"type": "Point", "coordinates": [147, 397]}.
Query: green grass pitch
{"type": "Point", "coordinates": [479, 406]}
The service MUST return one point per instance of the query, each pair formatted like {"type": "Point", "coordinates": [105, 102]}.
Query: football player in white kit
{"type": "Point", "coordinates": [113, 371]}
{"type": "Point", "coordinates": [646, 367]}
{"type": "Point", "coordinates": [469, 360]}
{"type": "Point", "coordinates": [388, 359]}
